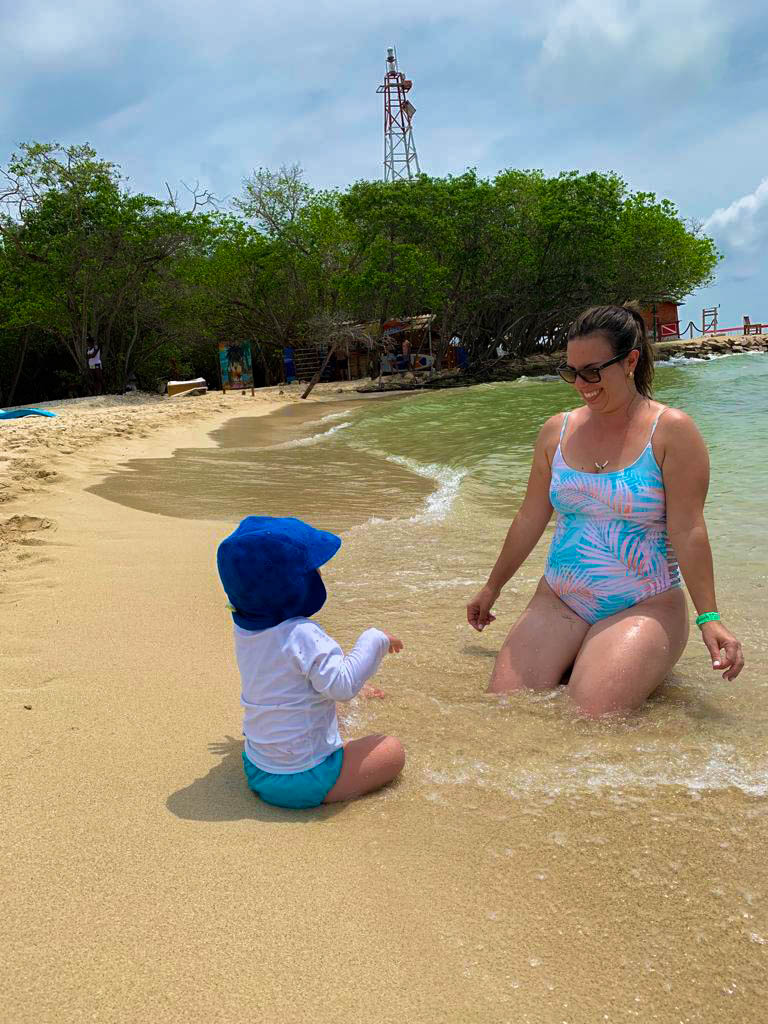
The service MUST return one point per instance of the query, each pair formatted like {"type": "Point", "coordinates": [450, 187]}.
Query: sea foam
{"type": "Point", "coordinates": [448, 480]}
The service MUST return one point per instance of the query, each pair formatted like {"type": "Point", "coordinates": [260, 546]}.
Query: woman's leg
{"type": "Point", "coordinates": [541, 646]}
{"type": "Point", "coordinates": [369, 763]}
{"type": "Point", "coordinates": [626, 656]}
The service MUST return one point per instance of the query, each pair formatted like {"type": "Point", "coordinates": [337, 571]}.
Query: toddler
{"type": "Point", "coordinates": [293, 673]}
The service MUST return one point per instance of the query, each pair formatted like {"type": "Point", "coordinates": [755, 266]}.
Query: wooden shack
{"type": "Point", "coordinates": [662, 319]}
{"type": "Point", "coordinates": [363, 352]}
{"type": "Point", "coordinates": [407, 343]}
{"type": "Point", "coordinates": [352, 360]}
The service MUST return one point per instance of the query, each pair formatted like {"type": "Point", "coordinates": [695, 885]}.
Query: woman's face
{"type": "Point", "coordinates": [610, 392]}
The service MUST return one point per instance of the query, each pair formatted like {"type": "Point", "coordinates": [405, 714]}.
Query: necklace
{"type": "Point", "coordinates": [599, 466]}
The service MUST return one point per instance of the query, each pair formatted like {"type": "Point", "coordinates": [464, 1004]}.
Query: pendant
{"type": "Point", "coordinates": [601, 465]}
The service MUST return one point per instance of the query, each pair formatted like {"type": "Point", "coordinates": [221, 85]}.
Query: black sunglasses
{"type": "Point", "coordinates": [589, 374]}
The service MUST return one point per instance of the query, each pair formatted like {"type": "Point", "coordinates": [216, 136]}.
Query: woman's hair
{"type": "Point", "coordinates": [624, 328]}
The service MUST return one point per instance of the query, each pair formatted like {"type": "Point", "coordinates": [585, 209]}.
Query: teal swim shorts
{"type": "Point", "coordinates": [298, 790]}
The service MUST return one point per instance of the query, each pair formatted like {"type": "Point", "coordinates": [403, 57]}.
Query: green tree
{"type": "Point", "coordinates": [88, 260]}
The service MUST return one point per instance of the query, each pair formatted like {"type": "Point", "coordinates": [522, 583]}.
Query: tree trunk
{"type": "Point", "coordinates": [319, 373]}
{"type": "Point", "coordinates": [129, 351]}
{"type": "Point", "coordinates": [267, 375]}
{"type": "Point", "coordinates": [19, 365]}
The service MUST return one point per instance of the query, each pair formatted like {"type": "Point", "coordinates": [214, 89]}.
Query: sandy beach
{"type": "Point", "coordinates": [142, 882]}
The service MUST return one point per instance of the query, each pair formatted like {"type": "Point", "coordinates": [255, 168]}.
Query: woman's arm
{"type": "Point", "coordinates": [685, 469]}
{"type": "Point", "coordinates": [525, 531]}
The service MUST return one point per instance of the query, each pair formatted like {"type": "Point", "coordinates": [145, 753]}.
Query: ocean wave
{"type": "Point", "coordinates": [688, 360]}
{"type": "Point", "coordinates": [680, 361]}
{"type": "Point", "coordinates": [331, 417]}
{"type": "Point", "coordinates": [303, 442]}
{"type": "Point", "coordinates": [440, 502]}
{"type": "Point", "coordinates": [721, 770]}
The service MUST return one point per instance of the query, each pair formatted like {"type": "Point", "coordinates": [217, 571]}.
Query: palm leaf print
{"type": "Point", "coordinates": [574, 586]}
{"type": "Point", "coordinates": [615, 550]}
{"type": "Point", "coordinates": [585, 493]}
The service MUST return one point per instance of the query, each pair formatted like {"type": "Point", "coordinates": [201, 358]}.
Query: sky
{"type": "Point", "coordinates": [670, 95]}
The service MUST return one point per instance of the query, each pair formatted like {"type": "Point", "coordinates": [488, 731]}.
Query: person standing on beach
{"type": "Point", "coordinates": [293, 673]}
{"type": "Point", "coordinates": [406, 349]}
{"type": "Point", "coordinates": [628, 478]}
{"type": "Point", "coordinates": [94, 365]}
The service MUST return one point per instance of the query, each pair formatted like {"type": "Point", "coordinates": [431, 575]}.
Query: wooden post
{"type": "Point", "coordinates": [319, 373]}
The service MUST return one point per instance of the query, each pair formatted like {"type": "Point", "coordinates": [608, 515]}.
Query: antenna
{"type": "Point", "coordinates": [401, 162]}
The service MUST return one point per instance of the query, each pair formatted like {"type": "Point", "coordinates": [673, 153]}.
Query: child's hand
{"type": "Point", "coordinates": [395, 645]}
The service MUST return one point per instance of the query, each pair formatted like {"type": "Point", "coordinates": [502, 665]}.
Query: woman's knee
{"type": "Point", "coordinates": [593, 706]}
{"type": "Point", "coordinates": [506, 681]}
{"type": "Point", "coordinates": [609, 698]}
{"type": "Point", "coordinates": [518, 667]}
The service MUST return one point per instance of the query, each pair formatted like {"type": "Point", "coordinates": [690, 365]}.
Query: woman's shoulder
{"type": "Point", "coordinates": [675, 429]}
{"type": "Point", "coordinates": [670, 419]}
{"type": "Point", "coordinates": [549, 435]}
{"type": "Point", "coordinates": [553, 426]}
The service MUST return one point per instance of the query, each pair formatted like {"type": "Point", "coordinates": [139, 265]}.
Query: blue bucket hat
{"type": "Point", "coordinates": [268, 568]}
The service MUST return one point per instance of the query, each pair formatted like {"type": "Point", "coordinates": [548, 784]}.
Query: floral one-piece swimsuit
{"type": "Point", "coordinates": [610, 549]}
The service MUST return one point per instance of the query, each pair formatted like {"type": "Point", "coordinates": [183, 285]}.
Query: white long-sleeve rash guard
{"type": "Point", "coordinates": [292, 675]}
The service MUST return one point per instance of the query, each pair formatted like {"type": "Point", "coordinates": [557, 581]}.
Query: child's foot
{"type": "Point", "coordinates": [371, 691]}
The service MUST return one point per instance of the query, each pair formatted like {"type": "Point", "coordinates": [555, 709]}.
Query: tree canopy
{"type": "Point", "coordinates": [84, 260]}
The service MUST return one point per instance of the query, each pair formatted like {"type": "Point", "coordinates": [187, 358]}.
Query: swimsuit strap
{"type": "Point", "coordinates": [565, 421]}
{"type": "Point", "coordinates": [655, 423]}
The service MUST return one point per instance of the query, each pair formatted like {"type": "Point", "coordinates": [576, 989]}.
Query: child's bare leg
{"type": "Point", "coordinates": [371, 691]}
{"type": "Point", "coordinates": [369, 763]}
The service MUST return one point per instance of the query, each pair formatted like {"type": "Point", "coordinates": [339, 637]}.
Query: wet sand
{"type": "Point", "coordinates": [142, 881]}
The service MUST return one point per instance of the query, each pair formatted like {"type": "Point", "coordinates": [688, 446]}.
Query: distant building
{"type": "Point", "coordinates": [390, 347]}
{"type": "Point", "coordinates": [662, 318]}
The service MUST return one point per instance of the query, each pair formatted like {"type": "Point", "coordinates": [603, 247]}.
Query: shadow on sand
{"type": "Point", "coordinates": [223, 795]}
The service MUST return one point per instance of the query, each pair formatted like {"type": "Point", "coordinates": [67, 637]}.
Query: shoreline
{"type": "Point", "coordinates": [41, 456]}
{"type": "Point", "coordinates": [546, 364]}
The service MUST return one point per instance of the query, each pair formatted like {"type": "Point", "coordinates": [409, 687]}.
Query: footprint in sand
{"type": "Point", "coordinates": [11, 528]}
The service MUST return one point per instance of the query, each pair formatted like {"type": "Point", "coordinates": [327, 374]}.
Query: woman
{"type": "Point", "coordinates": [628, 478]}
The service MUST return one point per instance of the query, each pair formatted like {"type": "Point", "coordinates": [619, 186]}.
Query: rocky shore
{"type": "Point", "coordinates": [547, 363]}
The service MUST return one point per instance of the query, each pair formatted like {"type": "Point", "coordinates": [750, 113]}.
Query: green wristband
{"type": "Point", "coordinates": [707, 617]}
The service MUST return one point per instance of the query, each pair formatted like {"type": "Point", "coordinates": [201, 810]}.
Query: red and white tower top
{"type": "Point", "coordinates": [401, 162]}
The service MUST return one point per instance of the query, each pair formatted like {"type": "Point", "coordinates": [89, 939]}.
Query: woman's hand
{"type": "Point", "coordinates": [717, 638]}
{"type": "Point", "coordinates": [479, 608]}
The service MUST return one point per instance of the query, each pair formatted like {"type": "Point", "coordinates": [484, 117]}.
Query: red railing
{"type": "Point", "coordinates": [737, 330]}
{"type": "Point", "coordinates": [672, 329]}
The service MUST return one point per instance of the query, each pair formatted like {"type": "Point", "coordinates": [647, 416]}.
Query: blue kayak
{"type": "Point", "coordinates": [15, 414]}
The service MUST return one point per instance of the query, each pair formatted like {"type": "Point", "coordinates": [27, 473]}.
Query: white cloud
{"type": "Point", "coordinates": [605, 48]}
{"type": "Point", "coordinates": [49, 34]}
{"type": "Point", "coordinates": [744, 224]}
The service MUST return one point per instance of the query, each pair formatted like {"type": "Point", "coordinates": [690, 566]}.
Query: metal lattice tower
{"type": "Point", "coordinates": [401, 162]}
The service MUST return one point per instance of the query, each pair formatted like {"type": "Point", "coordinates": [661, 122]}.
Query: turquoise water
{"type": "Point", "coordinates": [487, 432]}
